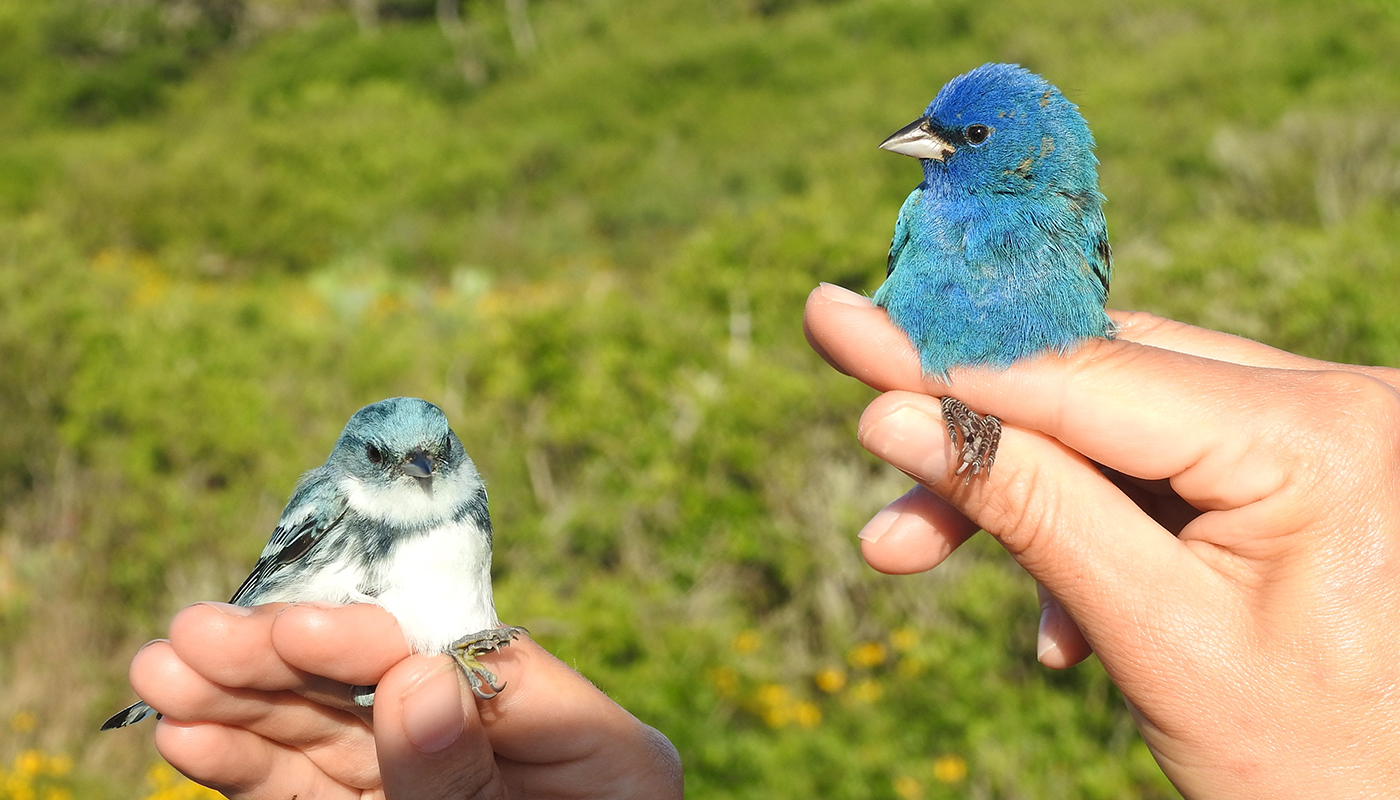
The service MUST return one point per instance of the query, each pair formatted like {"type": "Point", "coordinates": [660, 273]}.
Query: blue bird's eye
{"type": "Point", "coordinates": [976, 134]}
{"type": "Point", "coordinates": [373, 454]}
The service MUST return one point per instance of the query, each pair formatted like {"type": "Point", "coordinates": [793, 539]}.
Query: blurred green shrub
{"type": "Point", "coordinates": [224, 226]}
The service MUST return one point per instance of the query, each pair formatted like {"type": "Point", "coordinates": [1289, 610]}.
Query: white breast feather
{"type": "Point", "coordinates": [440, 586]}
{"type": "Point", "coordinates": [439, 581]}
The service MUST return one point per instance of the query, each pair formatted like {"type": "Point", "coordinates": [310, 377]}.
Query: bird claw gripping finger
{"type": "Point", "coordinates": [976, 437]}
{"type": "Point", "coordinates": [466, 649]}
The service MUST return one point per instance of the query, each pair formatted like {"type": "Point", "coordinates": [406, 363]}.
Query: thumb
{"type": "Point", "coordinates": [430, 740]}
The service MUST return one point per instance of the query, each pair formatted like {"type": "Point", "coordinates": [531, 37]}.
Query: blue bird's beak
{"type": "Point", "coordinates": [417, 464]}
{"type": "Point", "coordinates": [917, 140]}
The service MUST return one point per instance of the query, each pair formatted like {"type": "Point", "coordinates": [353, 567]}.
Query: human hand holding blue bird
{"type": "Point", "coordinates": [397, 517]}
{"type": "Point", "coordinates": [1002, 251]}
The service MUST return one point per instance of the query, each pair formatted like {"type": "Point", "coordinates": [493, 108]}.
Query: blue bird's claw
{"type": "Point", "coordinates": [975, 437]}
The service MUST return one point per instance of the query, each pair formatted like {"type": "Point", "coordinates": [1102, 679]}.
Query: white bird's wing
{"type": "Point", "coordinates": [314, 511]}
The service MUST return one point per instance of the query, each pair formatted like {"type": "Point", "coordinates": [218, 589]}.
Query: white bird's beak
{"type": "Point", "coordinates": [917, 140]}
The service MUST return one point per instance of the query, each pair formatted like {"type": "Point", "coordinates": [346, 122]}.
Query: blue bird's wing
{"type": "Point", "coordinates": [901, 227]}
{"type": "Point", "coordinates": [1100, 260]}
{"type": "Point", "coordinates": [315, 510]}
{"type": "Point", "coordinates": [1097, 253]}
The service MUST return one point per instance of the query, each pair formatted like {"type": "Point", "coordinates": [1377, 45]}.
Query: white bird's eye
{"type": "Point", "coordinates": [976, 134]}
{"type": "Point", "coordinates": [373, 454]}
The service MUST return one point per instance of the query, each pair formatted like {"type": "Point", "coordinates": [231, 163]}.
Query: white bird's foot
{"type": "Point", "coordinates": [974, 436]}
{"type": "Point", "coordinates": [466, 649]}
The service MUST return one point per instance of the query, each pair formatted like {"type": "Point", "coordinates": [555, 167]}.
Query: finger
{"type": "Point", "coordinates": [1143, 411]}
{"type": "Point", "coordinates": [353, 644]}
{"type": "Point", "coordinates": [243, 765]}
{"type": "Point", "coordinates": [552, 729]}
{"type": "Point", "coordinates": [837, 322]}
{"type": "Point", "coordinates": [830, 292]}
{"type": "Point", "coordinates": [1059, 517]}
{"type": "Point", "coordinates": [914, 533]}
{"type": "Point", "coordinates": [1167, 334]}
{"type": "Point", "coordinates": [168, 684]}
{"type": "Point", "coordinates": [1059, 642]}
{"type": "Point", "coordinates": [172, 687]}
{"type": "Point", "coordinates": [431, 743]}
{"type": "Point", "coordinates": [232, 646]}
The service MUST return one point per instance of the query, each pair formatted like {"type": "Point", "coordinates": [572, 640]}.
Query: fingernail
{"type": "Point", "coordinates": [432, 710]}
{"type": "Point", "coordinates": [1047, 637]}
{"type": "Point", "coordinates": [879, 525]}
{"type": "Point", "coordinates": [837, 294]}
{"type": "Point", "coordinates": [910, 440]}
{"type": "Point", "coordinates": [229, 609]}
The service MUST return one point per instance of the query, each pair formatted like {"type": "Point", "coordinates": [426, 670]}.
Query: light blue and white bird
{"type": "Point", "coordinates": [1002, 251]}
{"type": "Point", "coordinates": [397, 517]}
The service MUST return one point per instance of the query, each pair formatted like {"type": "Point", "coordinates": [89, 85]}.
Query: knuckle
{"type": "Point", "coordinates": [1341, 430]}
{"type": "Point", "coordinates": [1350, 412]}
{"type": "Point", "coordinates": [1021, 510]}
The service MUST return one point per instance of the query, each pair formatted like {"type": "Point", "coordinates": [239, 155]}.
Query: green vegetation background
{"type": "Point", "coordinates": [227, 224]}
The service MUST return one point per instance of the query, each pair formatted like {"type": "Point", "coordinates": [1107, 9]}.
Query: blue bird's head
{"type": "Point", "coordinates": [1001, 129]}
{"type": "Point", "coordinates": [399, 441]}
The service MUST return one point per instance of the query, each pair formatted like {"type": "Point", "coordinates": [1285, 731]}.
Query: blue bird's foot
{"type": "Point", "coordinates": [466, 649]}
{"type": "Point", "coordinates": [974, 436]}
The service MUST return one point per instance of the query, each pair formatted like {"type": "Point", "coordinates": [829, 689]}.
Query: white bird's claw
{"type": "Point", "coordinates": [466, 649]}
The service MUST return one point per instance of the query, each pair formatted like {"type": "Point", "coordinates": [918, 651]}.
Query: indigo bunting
{"type": "Point", "coordinates": [397, 516]}
{"type": "Point", "coordinates": [1002, 251]}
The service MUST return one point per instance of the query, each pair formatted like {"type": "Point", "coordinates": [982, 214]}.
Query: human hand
{"type": "Point", "coordinates": [1218, 520]}
{"type": "Point", "coordinates": [256, 704]}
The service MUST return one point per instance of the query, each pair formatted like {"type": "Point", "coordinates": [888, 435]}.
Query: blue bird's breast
{"type": "Point", "coordinates": [987, 280]}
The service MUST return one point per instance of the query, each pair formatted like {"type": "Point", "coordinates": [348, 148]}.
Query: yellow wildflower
{"type": "Point", "coordinates": [831, 680]}
{"type": "Point", "coordinates": [904, 639]}
{"type": "Point", "coordinates": [867, 691]}
{"type": "Point", "coordinates": [950, 768]}
{"type": "Point", "coordinates": [868, 655]}
{"type": "Point", "coordinates": [30, 762]}
{"type": "Point", "coordinates": [725, 680]}
{"type": "Point", "coordinates": [908, 788]}
{"type": "Point", "coordinates": [806, 714]}
{"type": "Point", "coordinates": [746, 641]}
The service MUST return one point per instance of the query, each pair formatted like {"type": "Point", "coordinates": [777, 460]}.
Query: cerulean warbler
{"type": "Point", "coordinates": [397, 516]}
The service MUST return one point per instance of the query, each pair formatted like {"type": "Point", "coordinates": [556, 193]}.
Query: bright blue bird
{"type": "Point", "coordinates": [397, 516]}
{"type": "Point", "coordinates": [1002, 252]}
